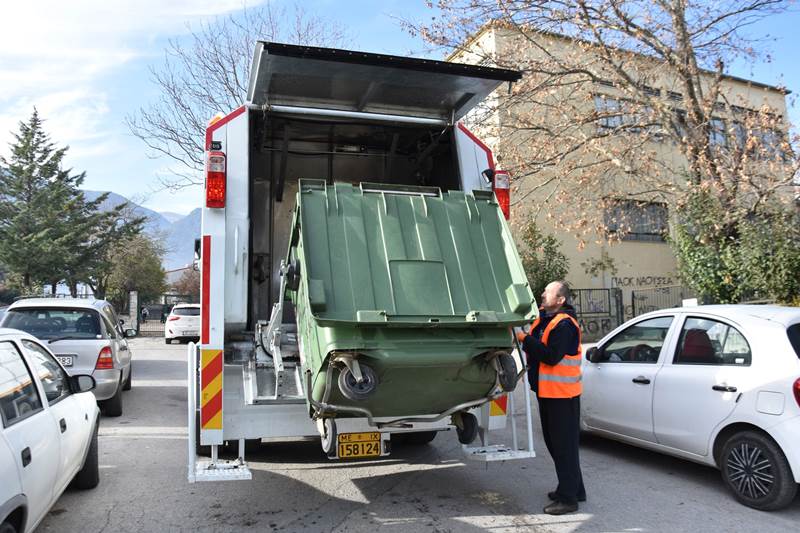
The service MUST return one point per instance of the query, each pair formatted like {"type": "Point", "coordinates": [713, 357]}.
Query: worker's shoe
{"type": "Point", "coordinates": [554, 496]}
{"type": "Point", "coordinates": [557, 508]}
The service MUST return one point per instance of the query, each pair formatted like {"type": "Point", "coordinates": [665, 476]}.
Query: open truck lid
{"type": "Point", "coordinates": [330, 78]}
{"type": "Point", "coordinates": [379, 254]}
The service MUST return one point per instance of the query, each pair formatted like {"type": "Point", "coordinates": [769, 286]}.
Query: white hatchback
{"type": "Point", "coordinates": [718, 385]}
{"type": "Point", "coordinates": [48, 436]}
{"type": "Point", "coordinates": [183, 323]}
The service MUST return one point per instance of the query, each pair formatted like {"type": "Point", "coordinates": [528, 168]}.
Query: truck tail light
{"type": "Point", "coordinates": [502, 191]}
{"type": "Point", "coordinates": [796, 390]}
{"type": "Point", "coordinates": [105, 361]}
{"type": "Point", "coordinates": [174, 318]}
{"type": "Point", "coordinates": [215, 180]}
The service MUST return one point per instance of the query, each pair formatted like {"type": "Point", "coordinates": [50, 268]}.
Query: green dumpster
{"type": "Point", "coordinates": [404, 298]}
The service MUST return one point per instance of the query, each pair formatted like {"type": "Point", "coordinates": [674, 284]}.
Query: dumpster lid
{"type": "Point", "coordinates": [378, 254]}
{"type": "Point", "coordinates": [331, 78]}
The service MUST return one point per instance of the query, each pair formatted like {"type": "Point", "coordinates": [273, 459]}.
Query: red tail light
{"type": "Point", "coordinates": [501, 186]}
{"type": "Point", "coordinates": [215, 180]}
{"type": "Point", "coordinates": [104, 359]}
{"type": "Point", "coordinates": [796, 390]}
{"type": "Point", "coordinates": [174, 318]}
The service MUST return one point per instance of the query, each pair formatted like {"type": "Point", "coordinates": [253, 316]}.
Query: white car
{"type": "Point", "coordinates": [48, 436]}
{"type": "Point", "coordinates": [718, 385]}
{"type": "Point", "coordinates": [183, 323]}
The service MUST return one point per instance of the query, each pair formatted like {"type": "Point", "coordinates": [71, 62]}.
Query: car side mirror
{"type": "Point", "coordinates": [82, 383]}
{"type": "Point", "coordinates": [130, 333]}
{"type": "Point", "coordinates": [594, 354]}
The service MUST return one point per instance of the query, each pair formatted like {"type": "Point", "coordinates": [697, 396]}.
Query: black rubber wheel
{"type": "Point", "coordinates": [507, 373]}
{"type": "Point", "coordinates": [127, 384]}
{"type": "Point", "coordinates": [328, 437]}
{"type": "Point", "coordinates": [113, 406]}
{"type": "Point", "coordinates": [358, 392]}
{"type": "Point", "coordinates": [293, 275]}
{"type": "Point", "coordinates": [6, 527]}
{"type": "Point", "coordinates": [167, 341]}
{"type": "Point", "coordinates": [418, 438]}
{"type": "Point", "coordinates": [89, 476]}
{"type": "Point", "coordinates": [757, 472]}
{"type": "Point", "coordinates": [466, 427]}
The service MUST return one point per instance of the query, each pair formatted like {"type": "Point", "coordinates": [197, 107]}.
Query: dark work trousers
{"type": "Point", "coordinates": [561, 428]}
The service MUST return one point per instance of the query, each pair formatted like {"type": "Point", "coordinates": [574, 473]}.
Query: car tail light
{"type": "Point", "coordinates": [501, 186]}
{"type": "Point", "coordinates": [104, 359]}
{"type": "Point", "coordinates": [796, 389]}
{"type": "Point", "coordinates": [215, 180]}
{"type": "Point", "coordinates": [174, 318]}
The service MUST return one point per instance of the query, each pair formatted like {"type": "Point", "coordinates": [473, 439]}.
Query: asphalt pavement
{"type": "Point", "coordinates": [143, 483]}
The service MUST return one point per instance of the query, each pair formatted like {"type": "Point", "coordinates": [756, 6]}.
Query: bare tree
{"type": "Point", "coordinates": [207, 73]}
{"type": "Point", "coordinates": [613, 91]}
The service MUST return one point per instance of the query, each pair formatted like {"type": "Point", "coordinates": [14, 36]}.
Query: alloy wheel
{"type": "Point", "coordinates": [750, 471]}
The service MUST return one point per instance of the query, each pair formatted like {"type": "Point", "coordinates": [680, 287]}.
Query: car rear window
{"type": "Point", "coordinates": [53, 323]}
{"type": "Point", "coordinates": [186, 311]}
{"type": "Point", "coordinates": [794, 337]}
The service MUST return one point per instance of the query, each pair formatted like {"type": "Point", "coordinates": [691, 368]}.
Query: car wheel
{"type": "Point", "coordinates": [168, 341]}
{"type": "Point", "coordinates": [6, 527]}
{"type": "Point", "coordinates": [127, 384]}
{"type": "Point", "coordinates": [757, 472]}
{"type": "Point", "coordinates": [89, 476]}
{"type": "Point", "coordinates": [418, 438]}
{"type": "Point", "coordinates": [113, 406]}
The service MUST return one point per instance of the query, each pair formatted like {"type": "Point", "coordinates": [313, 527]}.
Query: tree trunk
{"type": "Point", "coordinates": [73, 288]}
{"type": "Point", "coordinates": [53, 288]}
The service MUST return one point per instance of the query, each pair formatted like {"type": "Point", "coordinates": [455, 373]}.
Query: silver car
{"type": "Point", "coordinates": [86, 337]}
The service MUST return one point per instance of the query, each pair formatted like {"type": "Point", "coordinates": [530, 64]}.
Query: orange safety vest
{"type": "Point", "coordinates": [564, 379]}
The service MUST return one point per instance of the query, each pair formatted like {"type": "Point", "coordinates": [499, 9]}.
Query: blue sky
{"type": "Point", "coordinates": [84, 65]}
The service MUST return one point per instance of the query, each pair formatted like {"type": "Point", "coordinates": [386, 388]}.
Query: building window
{"type": "Point", "coordinates": [610, 111]}
{"type": "Point", "coordinates": [633, 220]}
{"type": "Point", "coordinates": [716, 132]}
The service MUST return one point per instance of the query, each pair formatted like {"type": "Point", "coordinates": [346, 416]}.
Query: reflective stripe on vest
{"type": "Point", "coordinates": [564, 379]}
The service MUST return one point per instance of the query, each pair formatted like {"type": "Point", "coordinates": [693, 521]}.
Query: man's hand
{"type": "Point", "coordinates": [522, 333]}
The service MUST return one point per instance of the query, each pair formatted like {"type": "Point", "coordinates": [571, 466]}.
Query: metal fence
{"type": "Point", "coordinates": [653, 299]}
{"type": "Point", "coordinates": [599, 311]}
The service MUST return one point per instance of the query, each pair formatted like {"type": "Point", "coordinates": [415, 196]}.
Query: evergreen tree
{"type": "Point", "coordinates": [33, 192]}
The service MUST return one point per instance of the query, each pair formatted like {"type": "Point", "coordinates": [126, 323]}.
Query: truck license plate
{"type": "Point", "coordinates": [65, 360]}
{"type": "Point", "coordinates": [357, 445]}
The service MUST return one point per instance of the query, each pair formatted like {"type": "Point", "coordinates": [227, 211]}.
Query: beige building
{"type": "Point", "coordinates": [640, 258]}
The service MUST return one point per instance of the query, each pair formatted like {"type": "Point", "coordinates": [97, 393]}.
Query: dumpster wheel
{"type": "Point", "coordinates": [328, 436]}
{"type": "Point", "coordinates": [352, 389]}
{"type": "Point", "coordinates": [506, 371]}
{"type": "Point", "coordinates": [466, 427]}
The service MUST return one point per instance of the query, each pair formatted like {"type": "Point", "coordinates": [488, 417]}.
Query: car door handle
{"type": "Point", "coordinates": [641, 380]}
{"type": "Point", "coordinates": [26, 457]}
{"type": "Point", "coordinates": [63, 424]}
{"type": "Point", "coordinates": [724, 388]}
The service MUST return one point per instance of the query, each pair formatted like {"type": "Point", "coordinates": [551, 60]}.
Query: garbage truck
{"type": "Point", "coordinates": [359, 280]}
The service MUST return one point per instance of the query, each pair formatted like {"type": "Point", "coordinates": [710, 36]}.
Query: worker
{"type": "Point", "coordinates": [553, 347]}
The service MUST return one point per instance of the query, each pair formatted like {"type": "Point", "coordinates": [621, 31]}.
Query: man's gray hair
{"type": "Point", "coordinates": [565, 291]}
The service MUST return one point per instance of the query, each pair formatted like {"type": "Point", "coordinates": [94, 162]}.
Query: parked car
{"type": "Point", "coordinates": [86, 337]}
{"type": "Point", "coordinates": [183, 323]}
{"type": "Point", "coordinates": [718, 385]}
{"type": "Point", "coordinates": [48, 436]}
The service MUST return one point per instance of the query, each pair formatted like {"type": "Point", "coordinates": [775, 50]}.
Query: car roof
{"type": "Point", "coordinates": [185, 305]}
{"type": "Point", "coordinates": [80, 303]}
{"type": "Point", "coordinates": [10, 332]}
{"type": "Point", "coordinates": [742, 312]}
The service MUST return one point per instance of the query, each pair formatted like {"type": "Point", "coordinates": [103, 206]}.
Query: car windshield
{"type": "Point", "coordinates": [794, 337]}
{"type": "Point", "coordinates": [50, 324]}
{"type": "Point", "coordinates": [186, 311]}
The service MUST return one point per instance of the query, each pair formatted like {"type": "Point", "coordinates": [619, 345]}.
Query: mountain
{"type": "Point", "coordinates": [177, 232]}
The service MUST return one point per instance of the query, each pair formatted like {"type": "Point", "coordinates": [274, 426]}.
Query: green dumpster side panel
{"type": "Point", "coordinates": [409, 256]}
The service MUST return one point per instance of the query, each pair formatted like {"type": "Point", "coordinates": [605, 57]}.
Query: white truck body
{"type": "Point", "coordinates": [311, 113]}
